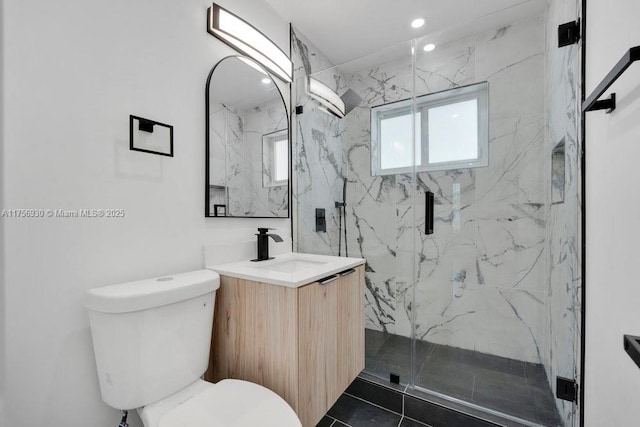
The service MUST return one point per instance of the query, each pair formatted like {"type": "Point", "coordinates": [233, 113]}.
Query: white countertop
{"type": "Point", "coordinates": [291, 269]}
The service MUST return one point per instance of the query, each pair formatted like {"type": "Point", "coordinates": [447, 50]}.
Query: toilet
{"type": "Point", "coordinates": [151, 340]}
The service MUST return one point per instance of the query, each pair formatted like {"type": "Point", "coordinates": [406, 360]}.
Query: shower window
{"type": "Point", "coordinates": [275, 158]}
{"type": "Point", "coordinates": [451, 128]}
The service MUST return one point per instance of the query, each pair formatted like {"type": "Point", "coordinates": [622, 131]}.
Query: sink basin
{"type": "Point", "coordinates": [290, 265]}
{"type": "Point", "coordinates": [291, 269]}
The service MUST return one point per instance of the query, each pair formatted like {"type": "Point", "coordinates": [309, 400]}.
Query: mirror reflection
{"type": "Point", "coordinates": [247, 142]}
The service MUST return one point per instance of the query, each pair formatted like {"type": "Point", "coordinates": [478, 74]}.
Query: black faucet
{"type": "Point", "coordinates": [263, 243]}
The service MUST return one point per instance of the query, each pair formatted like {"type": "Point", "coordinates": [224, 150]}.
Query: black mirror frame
{"type": "Point", "coordinates": [207, 210]}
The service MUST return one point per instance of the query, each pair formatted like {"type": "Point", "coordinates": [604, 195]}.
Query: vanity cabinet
{"type": "Point", "coordinates": [304, 343]}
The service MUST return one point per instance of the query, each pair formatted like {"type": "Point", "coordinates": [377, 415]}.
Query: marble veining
{"type": "Point", "coordinates": [318, 160]}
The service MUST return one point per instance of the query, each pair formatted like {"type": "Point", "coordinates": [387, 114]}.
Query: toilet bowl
{"type": "Point", "coordinates": [228, 403]}
{"type": "Point", "coordinates": [151, 341]}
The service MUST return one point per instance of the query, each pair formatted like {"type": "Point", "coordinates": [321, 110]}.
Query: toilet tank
{"type": "Point", "coordinates": [151, 337]}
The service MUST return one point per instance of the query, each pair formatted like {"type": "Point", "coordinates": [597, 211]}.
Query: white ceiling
{"type": "Point", "coordinates": [348, 29]}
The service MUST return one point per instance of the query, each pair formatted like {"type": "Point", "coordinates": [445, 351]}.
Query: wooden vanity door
{"type": "Point", "coordinates": [350, 331]}
{"type": "Point", "coordinates": [317, 347]}
{"type": "Point", "coordinates": [331, 342]}
{"type": "Point", "coordinates": [255, 336]}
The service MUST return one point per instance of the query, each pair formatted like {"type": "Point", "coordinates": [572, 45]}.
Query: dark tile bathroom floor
{"type": "Point", "coordinates": [508, 386]}
{"type": "Point", "coordinates": [354, 412]}
{"type": "Point", "coordinates": [368, 403]}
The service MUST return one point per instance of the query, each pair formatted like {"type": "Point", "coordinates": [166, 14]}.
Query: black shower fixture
{"type": "Point", "coordinates": [343, 214]}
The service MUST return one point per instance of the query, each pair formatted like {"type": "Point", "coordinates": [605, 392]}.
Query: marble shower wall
{"type": "Point", "coordinates": [563, 280]}
{"type": "Point", "coordinates": [317, 159]}
{"type": "Point", "coordinates": [238, 134]}
{"type": "Point", "coordinates": [500, 273]}
{"type": "Point", "coordinates": [481, 275]}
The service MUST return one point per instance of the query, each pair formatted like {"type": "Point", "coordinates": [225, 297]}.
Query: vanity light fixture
{"type": "Point", "coordinates": [253, 64]}
{"type": "Point", "coordinates": [327, 97]}
{"type": "Point", "coordinates": [249, 41]}
{"type": "Point", "coordinates": [417, 23]}
{"type": "Point", "coordinates": [429, 47]}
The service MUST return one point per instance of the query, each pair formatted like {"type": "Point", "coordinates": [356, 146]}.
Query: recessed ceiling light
{"type": "Point", "coordinates": [266, 81]}
{"type": "Point", "coordinates": [417, 23]}
{"type": "Point", "coordinates": [429, 47]}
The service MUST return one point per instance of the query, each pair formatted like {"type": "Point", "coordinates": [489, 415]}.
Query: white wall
{"type": "Point", "coordinates": [613, 209]}
{"type": "Point", "coordinates": [74, 71]}
{"type": "Point", "coordinates": [2, 269]}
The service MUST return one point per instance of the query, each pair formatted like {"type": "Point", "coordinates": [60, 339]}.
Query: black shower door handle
{"type": "Point", "coordinates": [428, 223]}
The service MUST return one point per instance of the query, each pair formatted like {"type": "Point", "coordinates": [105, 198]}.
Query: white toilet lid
{"type": "Point", "coordinates": [233, 403]}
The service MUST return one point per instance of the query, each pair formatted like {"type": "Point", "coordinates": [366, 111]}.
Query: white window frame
{"type": "Point", "coordinates": [478, 91]}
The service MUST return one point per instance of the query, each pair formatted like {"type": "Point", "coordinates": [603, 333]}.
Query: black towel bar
{"type": "Point", "coordinates": [592, 103]}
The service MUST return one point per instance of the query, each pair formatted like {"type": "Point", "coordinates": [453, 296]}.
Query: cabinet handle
{"type": "Point", "coordinates": [328, 280]}
{"type": "Point", "coordinates": [347, 272]}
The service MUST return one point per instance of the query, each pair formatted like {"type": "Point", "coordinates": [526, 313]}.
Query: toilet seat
{"type": "Point", "coordinates": [232, 403]}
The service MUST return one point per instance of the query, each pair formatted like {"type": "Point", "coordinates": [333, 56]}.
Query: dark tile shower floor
{"type": "Point", "coordinates": [505, 385]}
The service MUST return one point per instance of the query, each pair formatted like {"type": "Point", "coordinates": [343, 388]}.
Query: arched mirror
{"type": "Point", "coordinates": [247, 153]}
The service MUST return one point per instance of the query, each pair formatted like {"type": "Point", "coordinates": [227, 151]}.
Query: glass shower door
{"type": "Point", "coordinates": [484, 311]}
{"type": "Point", "coordinates": [496, 294]}
{"type": "Point", "coordinates": [379, 207]}
{"type": "Point", "coordinates": [379, 164]}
